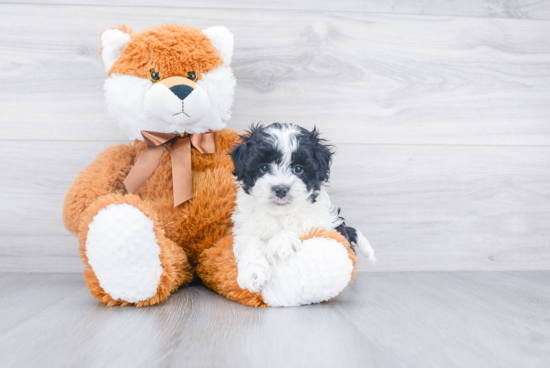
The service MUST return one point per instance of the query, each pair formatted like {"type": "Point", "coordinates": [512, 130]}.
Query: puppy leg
{"type": "Point", "coordinates": [282, 246]}
{"type": "Point", "coordinates": [253, 268]}
{"type": "Point", "coordinates": [217, 268]}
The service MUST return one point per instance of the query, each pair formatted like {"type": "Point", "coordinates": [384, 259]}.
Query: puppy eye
{"type": "Point", "coordinates": [155, 76]}
{"type": "Point", "coordinates": [191, 75]}
{"type": "Point", "coordinates": [264, 168]}
{"type": "Point", "coordinates": [297, 169]}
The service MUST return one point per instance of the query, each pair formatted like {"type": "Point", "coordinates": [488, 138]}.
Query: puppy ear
{"type": "Point", "coordinates": [222, 39]}
{"type": "Point", "coordinates": [323, 154]}
{"type": "Point", "coordinates": [113, 41]}
{"type": "Point", "coordinates": [238, 155]}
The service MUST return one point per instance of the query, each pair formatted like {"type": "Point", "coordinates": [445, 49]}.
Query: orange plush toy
{"type": "Point", "coordinates": [153, 214]}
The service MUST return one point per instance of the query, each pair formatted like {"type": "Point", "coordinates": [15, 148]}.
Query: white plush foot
{"type": "Point", "coordinates": [282, 246]}
{"type": "Point", "coordinates": [122, 249]}
{"type": "Point", "coordinates": [365, 247]}
{"type": "Point", "coordinates": [253, 275]}
{"type": "Point", "coordinates": [318, 271]}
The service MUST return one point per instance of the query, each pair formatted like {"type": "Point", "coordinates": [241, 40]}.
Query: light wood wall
{"type": "Point", "coordinates": [440, 111]}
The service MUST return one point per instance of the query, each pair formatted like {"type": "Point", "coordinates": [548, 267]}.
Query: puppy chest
{"type": "Point", "coordinates": [298, 224]}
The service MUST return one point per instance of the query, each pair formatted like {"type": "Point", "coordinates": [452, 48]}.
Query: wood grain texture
{"type": "Point", "coordinates": [441, 121]}
{"type": "Point", "coordinates": [453, 208]}
{"type": "Point", "coordinates": [523, 9]}
{"type": "Point", "coordinates": [35, 179]}
{"type": "Point", "coordinates": [26, 295]}
{"type": "Point", "coordinates": [361, 78]}
{"type": "Point", "coordinates": [422, 207]}
{"type": "Point", "coordinates": [476, 319]}
{"type": "Point", "coordinates": [468, 319]}
{"type": "Point", "coordinates": [39, 253]}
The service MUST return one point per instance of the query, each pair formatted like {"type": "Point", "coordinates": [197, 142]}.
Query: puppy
{"type": "Point", "coordinates": [280, 170]}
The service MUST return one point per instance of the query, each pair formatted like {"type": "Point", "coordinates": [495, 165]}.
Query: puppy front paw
{"type": "Point", "coordinates": [282, 246]}
{"type": "Point", "coordinates": [253, 275]}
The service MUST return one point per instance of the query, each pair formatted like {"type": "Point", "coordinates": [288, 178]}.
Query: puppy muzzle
{"type": "Point", "coordinates": [177, 101]}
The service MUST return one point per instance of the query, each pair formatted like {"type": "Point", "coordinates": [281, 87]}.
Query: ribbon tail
{"type": "Point", "coordinates": [143, 168]}
{"type": "Point", "coordinates": [204, 143]}
{"type": "Point", "coordinates": [181, 171]}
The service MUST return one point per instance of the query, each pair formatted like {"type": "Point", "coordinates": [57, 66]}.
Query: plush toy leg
{"type": "Point", "coordinates": [217, 268]}
{"type": "Point", "coordinates": [127, 257]}
{"type": "Point", "coordinates": [319, 271]}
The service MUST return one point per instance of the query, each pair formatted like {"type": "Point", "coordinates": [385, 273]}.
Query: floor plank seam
{"type": "Point", "coordinates": [336, 143]}
{"type": "Point", "coordinates": [45, 309]}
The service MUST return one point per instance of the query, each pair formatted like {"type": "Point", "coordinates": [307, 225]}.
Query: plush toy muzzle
{"type": "Point", "coordinates": [177, 101]}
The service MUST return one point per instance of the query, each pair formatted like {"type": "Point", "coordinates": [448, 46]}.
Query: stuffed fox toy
{"type": "Point", "coordinates": [153, 214]}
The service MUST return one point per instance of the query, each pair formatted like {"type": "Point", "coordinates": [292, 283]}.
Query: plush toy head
{"type": "Point", "coordinates": [169, 79]}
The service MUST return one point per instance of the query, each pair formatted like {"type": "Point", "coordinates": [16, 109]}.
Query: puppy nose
{"type": "Point", "coordinates": [181, 91]}
{"type": "Point", "coordinates": [280, 190]}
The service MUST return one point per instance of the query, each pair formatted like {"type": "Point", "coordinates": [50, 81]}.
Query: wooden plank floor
{"type": "Point", "coordinates": [463, 319]}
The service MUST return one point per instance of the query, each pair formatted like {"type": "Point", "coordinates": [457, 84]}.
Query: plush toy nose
{"type": "Point", "coordinates": [181, 87]}
{"type": "Point", "coordinates": [280, 190]}
{"type": "Point", "coordinates": [181, 91]}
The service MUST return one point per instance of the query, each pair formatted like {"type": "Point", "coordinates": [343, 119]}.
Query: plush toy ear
{"type": "Point", "coordinates": [222, 40]}
{"type": "Point", "coordinates": [113, 42]}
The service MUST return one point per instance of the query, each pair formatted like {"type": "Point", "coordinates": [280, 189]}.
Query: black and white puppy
{"type": "Point", "coordinates": [281, 170]}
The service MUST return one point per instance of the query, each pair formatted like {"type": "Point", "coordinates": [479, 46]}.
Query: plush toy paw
{"type": "Point", "coordinates": [320, 269]}
{"type": "Point", "coordinates": [253, 275]}
{"type": "Point", "coordinates": [129, 260]}
{"type": "Point", "coordinates": [123, 252]}
{"type": "Point", "coordinates": [282, 246]}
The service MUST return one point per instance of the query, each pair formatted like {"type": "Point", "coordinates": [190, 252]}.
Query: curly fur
{"type": "Point", "coordinates": [183, 232]}
{"type": "Point", "coordinates": [194, 238]}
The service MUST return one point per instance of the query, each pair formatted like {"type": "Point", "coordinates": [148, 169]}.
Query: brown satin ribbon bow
{"type": "Point", "coordinates": [181, 161]}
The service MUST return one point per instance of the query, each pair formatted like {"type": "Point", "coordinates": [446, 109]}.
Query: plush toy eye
{"type": "Point", "coordinates": [192, 76]}
{"type": "Point", "coordinates": [155, 76]}
{"type": "Point", "coordinates": [297, 169]}
{"type": "Point", "coordinates": [264, 168]}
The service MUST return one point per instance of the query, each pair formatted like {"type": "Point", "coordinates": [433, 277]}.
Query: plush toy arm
{"type": "Point", "coordinates": [322, 267]}
{"type": "Point", "coordinates": [103, 176]}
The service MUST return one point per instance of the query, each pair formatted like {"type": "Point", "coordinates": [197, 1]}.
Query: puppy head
{"type": "Point", "coordinates": [281, 165]}
{"type": "Point", "coordinates": [170, 79]}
